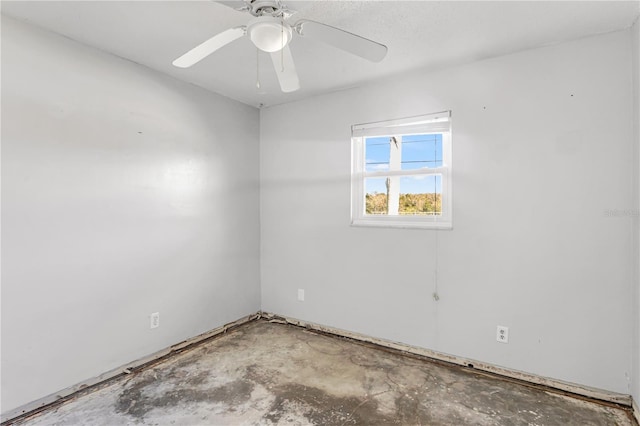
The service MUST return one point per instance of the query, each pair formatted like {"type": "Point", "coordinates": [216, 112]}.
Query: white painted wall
{"type": "Point", "coordinates": [635, 43]}
{"type": "Point", "coordinates": [542, 146]}
{"type": "Point", "coordinates": [124, 192]}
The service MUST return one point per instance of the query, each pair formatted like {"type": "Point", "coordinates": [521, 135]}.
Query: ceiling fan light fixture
{"type": "Point", "coordinates": [269, 34]}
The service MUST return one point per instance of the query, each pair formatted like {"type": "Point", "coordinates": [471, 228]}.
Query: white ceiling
{"type": "Point", "coordinates": [419, 34]}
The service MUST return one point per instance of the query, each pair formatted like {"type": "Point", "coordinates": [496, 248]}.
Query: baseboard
{"type": "Point", "coordinates": [636, 410]}
{"type": "Point", "coordinates": [86, 385]}
{"type": "Point", "coordinates": [585, 391]}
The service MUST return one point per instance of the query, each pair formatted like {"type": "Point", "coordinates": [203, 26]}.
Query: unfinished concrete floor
{"type": "Point", "coordinates": [273, 374]}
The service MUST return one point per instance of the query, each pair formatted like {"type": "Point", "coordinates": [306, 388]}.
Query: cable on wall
{"type": "Point", "coordinates": [436, 296]}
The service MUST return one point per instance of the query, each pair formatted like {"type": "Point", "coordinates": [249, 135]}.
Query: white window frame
{"type": "Point", "coordinates": [438, 123]}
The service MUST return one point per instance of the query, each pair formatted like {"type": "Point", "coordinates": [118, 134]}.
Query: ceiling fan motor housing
{"type": "Point", "coordinates": [265, 7]}
{"type": "Point", "coordinates": [269, 34]}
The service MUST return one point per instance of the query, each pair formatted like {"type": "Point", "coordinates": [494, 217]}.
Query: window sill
{"type": "Point", "coordinates": [401, 222]}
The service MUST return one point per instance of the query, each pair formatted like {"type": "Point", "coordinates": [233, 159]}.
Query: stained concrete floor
{"type": "Point", "coordinates": [273, 374]}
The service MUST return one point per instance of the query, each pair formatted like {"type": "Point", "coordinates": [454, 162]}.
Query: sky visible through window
{"type": "Point", "coordinates": [418, 151]}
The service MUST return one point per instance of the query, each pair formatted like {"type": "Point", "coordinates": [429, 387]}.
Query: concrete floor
{"type": "Point", "coordinates": [273, 374]}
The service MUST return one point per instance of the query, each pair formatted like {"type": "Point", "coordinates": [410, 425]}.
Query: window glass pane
{"type": "Point", "coordinates": [377, 154]}
{"type": "Point", "coordinates": [420, 195]}
{"type": "Point", "coordinates": [421, 151]}
{"type": "Point", "coordinates": [375, 195]}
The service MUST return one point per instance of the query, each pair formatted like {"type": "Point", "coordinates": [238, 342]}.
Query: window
{"type": "Point", "coordinates": [401, 172]}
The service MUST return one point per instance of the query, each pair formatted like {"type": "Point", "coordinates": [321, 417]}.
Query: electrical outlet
{"type": "Point", "coordinates": [301, 295]}
{"type": "Point", "coordinates": [502, 334]}
{"type": "Point", "coordinates": [154, 320]}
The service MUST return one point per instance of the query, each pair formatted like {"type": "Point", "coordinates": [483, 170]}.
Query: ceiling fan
{"type": "Point", "coordinates": [270, 32]}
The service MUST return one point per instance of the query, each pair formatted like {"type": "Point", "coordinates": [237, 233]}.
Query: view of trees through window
{"type": "Point", "coordinates": [410, 204]}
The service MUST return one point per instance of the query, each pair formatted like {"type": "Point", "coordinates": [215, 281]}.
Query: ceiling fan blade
{"type": "Point", "coordinates": [205, 49]}
{"type": "Point", "coordinates": [239, 5]}
{"type": "Point", "coordinates": [359, 46]}
{"type": "Point", "coordinates": [286, 70]}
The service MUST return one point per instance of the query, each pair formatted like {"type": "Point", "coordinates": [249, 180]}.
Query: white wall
{"type": "Point", "coordinates": [635, 35]}
{"type": "Point", "coordinates": [542, 148]}
{"type": "Point", "coordinates": [124, 192]}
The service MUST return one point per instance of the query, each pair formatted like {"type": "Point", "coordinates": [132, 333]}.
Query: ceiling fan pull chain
{"type": "Point", "coordinates": [282, 39]}
{"type": "Point", "coordinates": [257, 68]}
